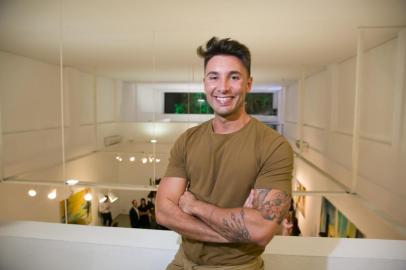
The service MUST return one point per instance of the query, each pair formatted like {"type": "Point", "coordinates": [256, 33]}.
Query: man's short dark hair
{"type": "Point", "coordinates": [225, 46]}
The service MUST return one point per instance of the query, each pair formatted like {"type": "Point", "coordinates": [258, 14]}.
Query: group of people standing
{"type": "Point", "coordinates": [142, 216]}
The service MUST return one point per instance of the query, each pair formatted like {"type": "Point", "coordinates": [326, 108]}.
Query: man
{"type": "Point", "coordinates": [104, 209]}
{"type": "Point", "coordinates": [134, 215]}
{"type": "Point", "coordinates": [226, 189]}
{"type": "Point", "coordinates": [145, 216]}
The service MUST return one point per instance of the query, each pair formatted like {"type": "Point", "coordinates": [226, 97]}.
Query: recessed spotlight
{"type": "Point", "coordinates": [132, 159]}
{"type": "Point", "coordinates": [144, 160]}
{"type": "Point", "coordinates": [32, 193]}
{"type": "Point", "coordinates": [157, 160]}
{"type": "Point", "coordinates": [153, 141]}
{"type": "Point", "coordinates": [52, 194]}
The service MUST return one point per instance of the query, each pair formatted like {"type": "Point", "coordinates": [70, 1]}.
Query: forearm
{"type": "Point", "coordinates": [236, 224]}
{"type": "Point", "coordinates": [171, 216]}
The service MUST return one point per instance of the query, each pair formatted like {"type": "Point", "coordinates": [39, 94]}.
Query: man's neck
{"type": "Point", "coordinates": [222, 125]}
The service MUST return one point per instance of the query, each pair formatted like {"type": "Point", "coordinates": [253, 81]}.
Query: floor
{"type": "Point", "coordinates": [122, 220]}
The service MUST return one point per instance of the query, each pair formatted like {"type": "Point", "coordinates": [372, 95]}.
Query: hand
{"type": "Point", "coordinates": [286, 227]}
{"type": "Point", "coordinates": [186, 202]}
{"type": "Point", "coordinates": [249, 201]}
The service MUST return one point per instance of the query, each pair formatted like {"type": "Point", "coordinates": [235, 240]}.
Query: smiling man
{"type": "Point", "coordinates": [227, 186]}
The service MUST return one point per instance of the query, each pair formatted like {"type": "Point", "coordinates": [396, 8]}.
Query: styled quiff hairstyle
{"type": "Point", "coordinates": [225, 46]}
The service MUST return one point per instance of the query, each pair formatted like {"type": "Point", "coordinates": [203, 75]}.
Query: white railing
{"type": "Point", "coordinates": [42, 246]}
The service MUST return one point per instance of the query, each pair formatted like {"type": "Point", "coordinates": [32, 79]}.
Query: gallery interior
{"type": "Point", "coordinates": [93, 94]}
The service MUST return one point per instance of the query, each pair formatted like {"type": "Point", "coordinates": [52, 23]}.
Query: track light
{"type": "Point", "coordinates": [52, 194]}
{"type": "Point", "coordinates": [102, 198]}
{"type": "Point", "coordinates": [88, 197]}
{"type": "Point", "coordinates": [71, 182]}
{"type": "Point", "coordinates": [112, 197]}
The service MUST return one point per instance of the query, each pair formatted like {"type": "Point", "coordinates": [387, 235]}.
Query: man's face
{"type": "Point", "coordinates": [226, 82]}
{"type": "Point", "coordinates": [135, 203]}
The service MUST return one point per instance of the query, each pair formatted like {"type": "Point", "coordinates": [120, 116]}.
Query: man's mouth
{"type": "Point", "coordinates": [224, 100]}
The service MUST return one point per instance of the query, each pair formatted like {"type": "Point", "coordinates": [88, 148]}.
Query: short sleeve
{"type": "Point", "coordinates": [276, 171]}
{"type": "Point", "coordinates": [177, 159]}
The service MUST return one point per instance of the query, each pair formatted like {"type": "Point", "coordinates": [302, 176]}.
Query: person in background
{"type": "Point", "coordinates": [145, 215]}
{"type": "Point", "coordinates": [227, 186]}
{"type": "Point", "coordinates": [151, 208]}
{"type": "Point", "coordinates": [104, 209]}
{"type": "Point", "coordinates": [134, 215]}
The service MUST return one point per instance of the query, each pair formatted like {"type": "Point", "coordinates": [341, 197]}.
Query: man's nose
{"type": "Point", "coordinates": [224, 85]}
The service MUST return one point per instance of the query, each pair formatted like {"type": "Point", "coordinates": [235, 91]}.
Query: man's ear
{"type": "Point", "coordinates": [249, 84]}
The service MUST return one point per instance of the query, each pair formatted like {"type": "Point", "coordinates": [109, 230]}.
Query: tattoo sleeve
{"type": "Point", "coordinates": [273, 204]}
{"type": "Point", "coordinates": [235, 229]}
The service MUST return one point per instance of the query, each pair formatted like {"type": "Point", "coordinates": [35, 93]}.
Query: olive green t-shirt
{"type": "Point", "coordinates": [222, 169]}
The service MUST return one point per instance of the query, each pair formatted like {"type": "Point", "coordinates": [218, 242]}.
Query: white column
{"type": "Point", "coordinates": [300, 120]}
{"type": "Point", "coordinates": [357, 110]}
{"type": "Point", "coordinates": [400, 89]}
{"type": "Point", "coordinates": [1, 147]}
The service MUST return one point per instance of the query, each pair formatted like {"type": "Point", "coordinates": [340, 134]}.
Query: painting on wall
{"type": "Point", "coordinates": [300, 201]}
{"type": "Point", "coordinates": [78, 209]}
{"type": "Point", "coordinates": [334, 224]}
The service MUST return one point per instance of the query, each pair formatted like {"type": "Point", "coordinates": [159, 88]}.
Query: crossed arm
{"type": "Point", "coordinates": [256, 222]}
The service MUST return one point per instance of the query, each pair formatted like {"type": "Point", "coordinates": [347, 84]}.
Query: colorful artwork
{"type": "Point", "coordinates": [334, 224]}
{"type": "Point", "coordinates": [79, 210]}
{"type": "Point", "coordinates": [300, 201]}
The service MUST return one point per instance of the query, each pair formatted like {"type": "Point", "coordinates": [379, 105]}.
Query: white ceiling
{"type": "Point", "coordinates": [156, 40]}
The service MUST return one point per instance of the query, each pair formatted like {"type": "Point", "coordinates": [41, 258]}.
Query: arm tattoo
{"type": "Point", "coordinates": [234, 228]}
{"type": "Point", "coordinates": [273, 204]}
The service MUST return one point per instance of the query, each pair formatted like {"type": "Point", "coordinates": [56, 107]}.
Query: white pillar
{"type": "Point", "coordinates": [357, 110]}
{"type": "Point", "coordinates": [400, 89]}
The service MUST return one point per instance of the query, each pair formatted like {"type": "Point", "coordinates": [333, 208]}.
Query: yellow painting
{"type": "Point", "coordinates": [300, 201]}
{"type": "Point", "coordinates": [79, 210]}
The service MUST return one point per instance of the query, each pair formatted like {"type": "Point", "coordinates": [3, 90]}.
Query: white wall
{"type": "Point", "coordinates": [31, 113]}
{"type": "Point", "coordinates": [328, 100]}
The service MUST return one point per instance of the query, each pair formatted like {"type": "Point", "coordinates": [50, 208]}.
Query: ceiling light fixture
{"type": "Point", "coordinates": [102, 197]}
{"type": "Point", "coordinates": [71, 182]}
{"type": "Point", "coordinates": [112, 197]}
{"type": "Point", "coordinates": [32, 193]}
{"type": "Point", "coordinates": [153, 141]}
{"type": "Point", "coordinates": [52, 194]}
{"type": "Point", "coordinates": [88, 197]}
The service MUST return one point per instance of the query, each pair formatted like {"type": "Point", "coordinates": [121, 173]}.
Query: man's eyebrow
{"type": "Point", "coordinates": [212, 73]}
{"type": "Point", "coordinates": [235, 72]}
{"type": "Point", "coordinates": [232, 72]}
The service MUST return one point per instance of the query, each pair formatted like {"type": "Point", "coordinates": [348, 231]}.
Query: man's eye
{"type": "Point", "coordinates": [212, 77]}
{"type": "Point", "coordinates": [235, 77]}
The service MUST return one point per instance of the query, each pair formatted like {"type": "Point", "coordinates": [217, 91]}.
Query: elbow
{"type": "Point", "coordinates": [263, 241]}
{"type": "Point", "coordinates": [263, 238]}
{"type": "Point", "coordinates": [161, 217]}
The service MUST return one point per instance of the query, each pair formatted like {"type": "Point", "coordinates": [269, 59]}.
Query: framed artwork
{"type": "Point", "coordinates": [78, 209]}
{"type": "Point", "coordinates": [334, 224]}
{"type": "Point", "coordinates": [300, 201]}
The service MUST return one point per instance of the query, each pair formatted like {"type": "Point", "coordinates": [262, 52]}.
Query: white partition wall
{"type": "Point", "coordinates": [43, 246]}
{"type": "Point", "coordinates": [328, 99]}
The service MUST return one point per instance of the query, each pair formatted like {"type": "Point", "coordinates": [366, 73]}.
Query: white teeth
{"type": "Point", "coordinates": [223, 99]}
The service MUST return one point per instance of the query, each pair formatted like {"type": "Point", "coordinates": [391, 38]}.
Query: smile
{"type": "Point", "coordinates": [224, 100]}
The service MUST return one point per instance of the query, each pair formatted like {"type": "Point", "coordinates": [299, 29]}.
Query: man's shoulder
{"type": "Point", "coordinates": [197, 130]}
{"type": "Point", "coordinates": [263, 130]}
